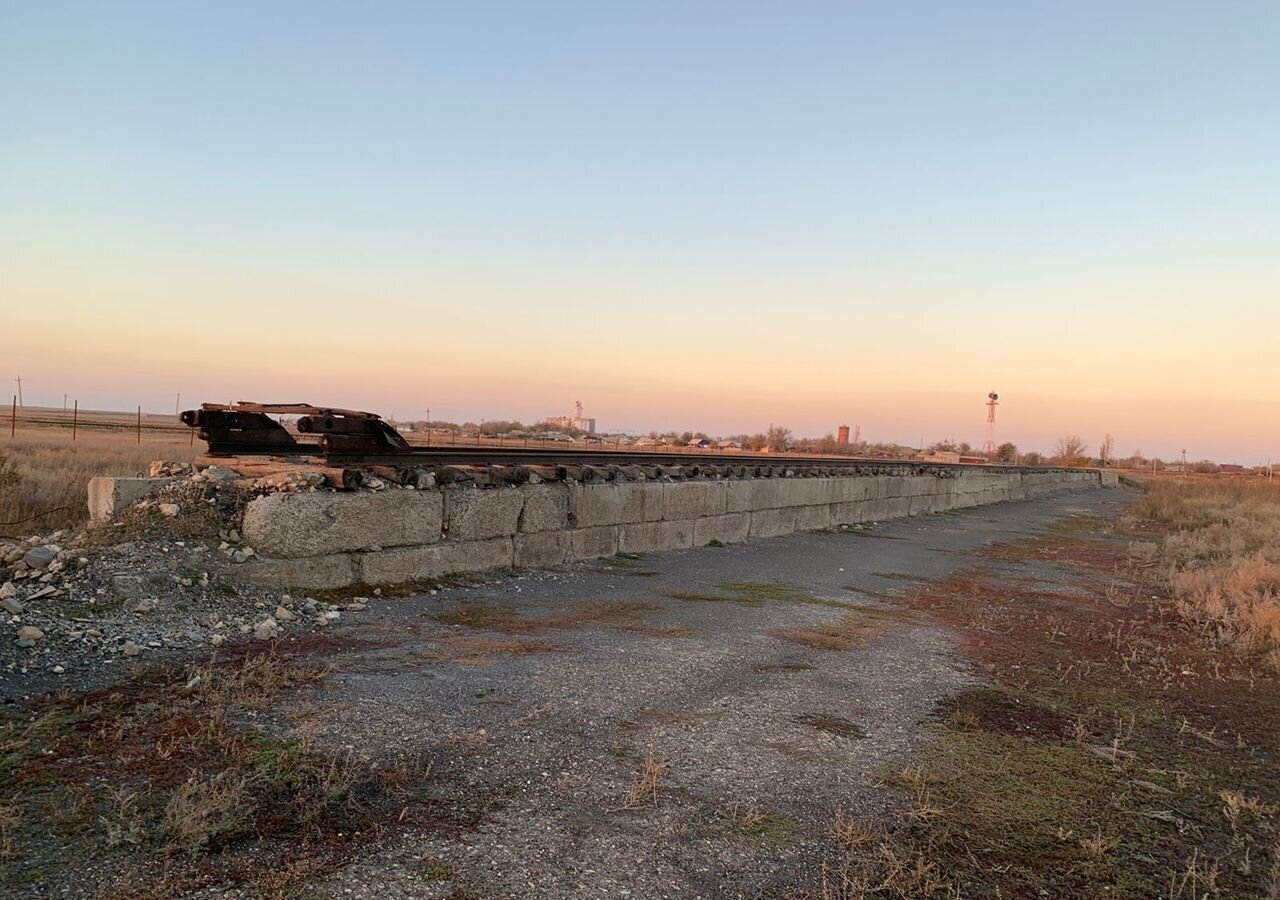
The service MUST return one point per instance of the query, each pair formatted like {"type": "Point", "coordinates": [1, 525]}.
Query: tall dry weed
{"type": "Point", "coordinates": [1221, 558]}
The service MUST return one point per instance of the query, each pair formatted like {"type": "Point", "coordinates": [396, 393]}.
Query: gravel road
{"type": "Point", "coordinates": [539, 696]}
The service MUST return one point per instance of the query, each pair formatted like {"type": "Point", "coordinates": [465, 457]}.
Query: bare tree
{"type": "Point", "coordinates": [779, 438]}
{"type": "Point", "coordinates": [1071, 451]}
{"type": "Point", "coordinates": [1107, 449]}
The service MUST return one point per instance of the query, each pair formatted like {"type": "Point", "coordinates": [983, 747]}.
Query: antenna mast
{"type": "Point", "coordinates": [989, 447]}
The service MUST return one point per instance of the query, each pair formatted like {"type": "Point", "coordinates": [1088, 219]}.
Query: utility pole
{"type": "Point", "coordinates": [177, 402]}
{"type": "Point", "coordinates": [1184, 463]}
{"type": "Point", "coordinates": [19, 380]}
{"type": "Point", "coordinates": [64, 402]}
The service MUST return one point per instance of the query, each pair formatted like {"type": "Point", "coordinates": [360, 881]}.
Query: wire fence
{"type": "Point", "coordinates": [138, 424]}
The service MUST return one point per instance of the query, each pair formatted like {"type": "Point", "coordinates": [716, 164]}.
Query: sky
{"type": "Point", "coordinates": [692, 215]}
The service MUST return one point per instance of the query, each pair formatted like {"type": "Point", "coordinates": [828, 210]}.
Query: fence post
{"type": "Point", "coordinates": [75, 419]}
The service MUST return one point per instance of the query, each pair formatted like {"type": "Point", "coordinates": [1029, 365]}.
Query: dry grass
{"type": "Point", "coordinates": [1220, 557]}
{"type": "Point", "coordinates": [757, 823]}
{"type": "Point", "coordinates": [53, 471]}
{"type": "Point", "coordinates": [466, 650]}
{"type": "Point", "coordinates": [871, 862]}
{"type": "Point", "coordinates": [159, 772]}
{"type": "Point", "coordinates": [1115, 750]}
{"type": "Point", "coordinates": [644, 786]}
{"type": "Point", "coordinates": [851, 630]}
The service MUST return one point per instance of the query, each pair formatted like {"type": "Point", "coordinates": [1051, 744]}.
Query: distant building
{"type": "Point", "coordinates": [939, 456]}
{"type": "Point", "coordinates": [572, 423]}
{"type": "Point", "coordinates": [700, 443]}
{"type": "Point", "coordinates": [842, 436]}
{"type": "Point", "coordinates": [950, 456]}
{"type": "Point", "coordinates": [577, 422]}
{"type": "Point", "coordinates": [1231, 469]}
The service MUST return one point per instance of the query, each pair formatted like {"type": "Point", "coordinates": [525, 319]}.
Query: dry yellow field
{"type": "Point", "coordinates": [52, 471]}
{"type": "Point", "coordinates": [1220, 556]}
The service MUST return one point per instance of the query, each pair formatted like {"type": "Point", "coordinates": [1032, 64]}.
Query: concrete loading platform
{"type": "Point", "coordinates": [305, 535]}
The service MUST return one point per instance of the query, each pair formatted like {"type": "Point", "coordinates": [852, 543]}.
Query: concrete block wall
{"type": "Point", "coordinates": [333, 539]}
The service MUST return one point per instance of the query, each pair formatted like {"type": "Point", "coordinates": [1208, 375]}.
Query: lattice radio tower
{"type": "Point", "coordinates": [989, 447]}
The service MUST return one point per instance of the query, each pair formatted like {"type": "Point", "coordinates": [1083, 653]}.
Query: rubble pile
{"type": "Point", "coordinates": [156, 579]}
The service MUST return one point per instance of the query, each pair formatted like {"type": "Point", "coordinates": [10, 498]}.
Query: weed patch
{"type": "Point", "coordinates": [1219, 556]}
{"type": "Point", "coordinates": [1118, 750]}
{"type": "Point", "coordinates": [756, 823]}
{"type": "Point", "coordinates": [644, 786]}
{"type": "Point", "coordinates": [851, 630]}
{"type": "Point", "coordinates": [158, 774]}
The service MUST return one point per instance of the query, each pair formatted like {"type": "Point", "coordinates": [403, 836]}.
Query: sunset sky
{"type": "Point", "coordinates": [686, 215]}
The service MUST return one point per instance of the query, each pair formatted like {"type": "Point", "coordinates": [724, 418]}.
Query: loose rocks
{"type": "Point", "coordinates": [40, 557]}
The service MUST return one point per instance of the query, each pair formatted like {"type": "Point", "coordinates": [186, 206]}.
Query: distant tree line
{"type": "Point", "coordinates": [1070, 450]}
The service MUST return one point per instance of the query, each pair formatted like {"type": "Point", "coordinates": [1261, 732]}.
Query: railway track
{"type": "Point", "coordinates": [429, 457]}
{"type": "Point", "coordinates": [350, 438]}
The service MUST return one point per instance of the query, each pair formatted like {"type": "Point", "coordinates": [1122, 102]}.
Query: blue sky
{"type": "Point", "coordinates": [707, 215]}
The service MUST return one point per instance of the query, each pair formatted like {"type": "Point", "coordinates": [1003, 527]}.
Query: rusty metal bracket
{"type": "Point", "coordinates": [249, 429]}
{"type": "Point", "coordinates": [241, 430]}
{"type": "Point", "coordinates": [343, 431]}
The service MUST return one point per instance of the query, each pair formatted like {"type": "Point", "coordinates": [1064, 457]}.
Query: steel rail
{"type": "Point", "coordinates": [353, 438]}
{"type": "Point", "coordinates": [428, 457]}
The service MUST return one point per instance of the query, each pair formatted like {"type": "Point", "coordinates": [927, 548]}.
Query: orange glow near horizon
{"type": "Point", "coordinates": [899, 377]}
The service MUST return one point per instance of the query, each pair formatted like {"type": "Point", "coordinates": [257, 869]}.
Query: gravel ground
{"type": "Point", "coordinates": [94, 602]}
{"type": "Point", "coordinates": [536, 744]}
